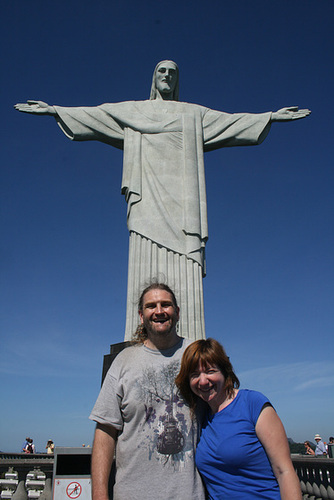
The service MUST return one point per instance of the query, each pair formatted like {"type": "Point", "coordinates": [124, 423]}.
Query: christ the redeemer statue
{"type": "Point", "coordinates": [164, 180]}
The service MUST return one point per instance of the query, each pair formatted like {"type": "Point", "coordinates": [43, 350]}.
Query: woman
{"type": "Point", "coordinates": [50, 447]}
{"type": "Point", "coordinates": [30, 447]}
{"type": "Point", "coordinates": [308, 449]}
{"type": "Point", "coordinates": [243, 451]}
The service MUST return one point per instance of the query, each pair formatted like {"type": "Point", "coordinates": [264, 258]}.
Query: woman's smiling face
{"type": "Point", "coordinates": [208, 383]}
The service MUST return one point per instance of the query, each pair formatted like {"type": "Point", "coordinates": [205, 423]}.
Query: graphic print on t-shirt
{"type": "Point", "coordinates": [165, 425]}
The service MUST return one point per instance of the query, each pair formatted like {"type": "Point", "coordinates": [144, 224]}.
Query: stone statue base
{"type": "Point", "coordinates": [150, 262]}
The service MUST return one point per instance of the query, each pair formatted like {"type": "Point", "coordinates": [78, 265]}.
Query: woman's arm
{"type": "Point", "coordinates": [270, 431]}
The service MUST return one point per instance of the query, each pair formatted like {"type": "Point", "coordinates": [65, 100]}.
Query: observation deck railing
{"type": "Point", "coordinates": [24, 462]}
{"type": "Point", "coordinates": [316, 475]}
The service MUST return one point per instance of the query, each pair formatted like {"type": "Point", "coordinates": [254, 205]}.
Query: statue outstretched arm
{"type": "Point", "coordinates": [36, 108]}
{"type": "Point", "coordinates": [288, 114]}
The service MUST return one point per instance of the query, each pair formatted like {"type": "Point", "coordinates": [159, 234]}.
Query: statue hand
{"type": "Point", "coordinates": [288, 114]}
{"type": "Point", "coordinates": [35, 107]}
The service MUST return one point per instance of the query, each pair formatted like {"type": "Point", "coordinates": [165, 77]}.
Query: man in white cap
{"type": "Point", "coordinates": [320, 448]}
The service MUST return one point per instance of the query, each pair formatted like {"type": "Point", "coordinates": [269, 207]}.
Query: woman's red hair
{"type": "Point", "coordinates": [207, 352]}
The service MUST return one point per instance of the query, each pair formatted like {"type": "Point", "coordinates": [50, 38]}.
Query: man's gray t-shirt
{"type": "Point", "coordinates": [157, 434]}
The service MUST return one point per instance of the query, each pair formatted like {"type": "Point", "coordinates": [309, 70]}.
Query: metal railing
{"type": "Point", "coordinates": [316, 475]}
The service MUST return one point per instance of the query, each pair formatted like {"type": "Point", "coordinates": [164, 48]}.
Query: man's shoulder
{"type": "Point", "coordinates": [125, 360]}
{"type": "Point", "coordinates": [131, 351]}
{"type": "Point", "coordinates": [186, 342]}
{"type": "Point", "coordinates": [183, 344]}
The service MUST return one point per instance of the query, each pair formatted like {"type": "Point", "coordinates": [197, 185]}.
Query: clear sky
{"type": "Point", "coordinates": [269, 285]}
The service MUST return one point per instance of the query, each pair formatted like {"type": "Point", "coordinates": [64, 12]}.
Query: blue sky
{"type": "Point", "coordinates": [269, 285]}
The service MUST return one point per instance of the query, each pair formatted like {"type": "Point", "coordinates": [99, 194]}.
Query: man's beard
{"type": "Point", "coordinates": [149, 326]}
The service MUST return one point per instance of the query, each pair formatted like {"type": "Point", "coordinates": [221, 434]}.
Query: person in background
{"type": "Point", "coordinates": [50, 447]}
{"type": "Point", "coordinates": [308, 449]}
{"type": "Point", "coordinates": [330, 447]}
{"type": "Point", "coordinates": [320, 448]}
{"type": "Point", "coordinates": [243, 451]}
{"type": "Point", "coordinates": [23, 449]}
{"type": "Point", "coordinates": [30, 448]}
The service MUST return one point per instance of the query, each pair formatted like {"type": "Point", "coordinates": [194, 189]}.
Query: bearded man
{"type": "Point", "coordinates": [141, 416]}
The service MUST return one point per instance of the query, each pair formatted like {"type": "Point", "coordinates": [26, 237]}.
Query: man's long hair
{"type": "Point", "coordinates": [154, 91]}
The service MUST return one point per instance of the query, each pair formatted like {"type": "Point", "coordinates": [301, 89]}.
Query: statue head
{"type": "Point", "coordinates": [165, 82]}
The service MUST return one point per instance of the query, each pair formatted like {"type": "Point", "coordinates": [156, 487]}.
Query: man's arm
{"type": "Point", "coordinates": [102, 458]}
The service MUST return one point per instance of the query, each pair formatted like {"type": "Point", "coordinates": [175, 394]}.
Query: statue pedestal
{"type": "Point", "coordinates": [109, 358]}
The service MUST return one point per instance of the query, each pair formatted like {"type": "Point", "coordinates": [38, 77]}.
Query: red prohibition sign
{"type": "Point", "coordinates": [74, 490]}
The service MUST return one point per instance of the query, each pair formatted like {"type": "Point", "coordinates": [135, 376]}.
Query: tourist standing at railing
{"type": "Point", "coordinates": [320, 448]}
{"type": "Point", "coordinates": [50, 447]}
{"type": "Point", "coordinates": [243, 451]}
{"type": "Point", "coordinates": [330, 447]}
{"type": "Point", "coordinates": [30, 448]}
{"type": "Point", "coordinates": [23, 449]}
{"type": "Point", "coordinates": [308, 449]}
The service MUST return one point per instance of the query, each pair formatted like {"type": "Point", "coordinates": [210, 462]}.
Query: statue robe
{"type": "Point", "coordinates": [164, 186]}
